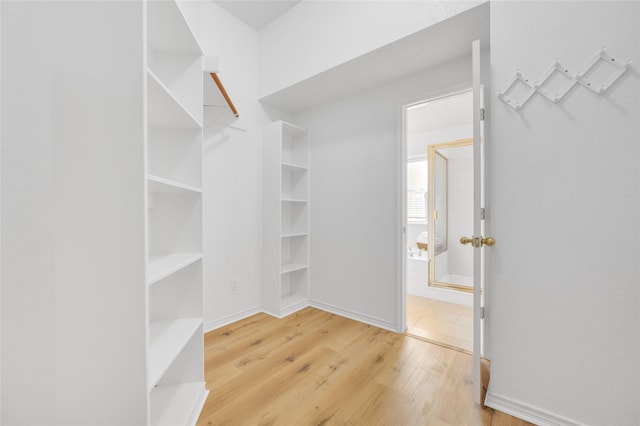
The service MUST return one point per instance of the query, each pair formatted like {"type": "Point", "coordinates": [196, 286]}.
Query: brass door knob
{"type": "Point", "coordinates": [489, 241]}
{"type": "Point", "coordinates": [466, 240]}
{"type": "Point", "coordinates": [478, 242]}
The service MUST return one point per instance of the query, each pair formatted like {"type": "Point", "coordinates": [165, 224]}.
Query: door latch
{"type": "Point", "coordinates": [478, 241]}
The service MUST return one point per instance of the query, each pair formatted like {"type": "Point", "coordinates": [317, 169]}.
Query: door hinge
{"type": "Point", "coordinates": [482, 313]}
{"type": "Point", "coordinates": [481, 114]}
{"type": "Point", "coordinates": [483, 214]}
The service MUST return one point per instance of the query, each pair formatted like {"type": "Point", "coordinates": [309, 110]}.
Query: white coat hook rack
{"type": "Point", "coordinates": [584, 78]}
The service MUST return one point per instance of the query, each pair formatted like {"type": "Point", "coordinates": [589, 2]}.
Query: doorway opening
{"type": "Point", "coordinates": [439, 210]}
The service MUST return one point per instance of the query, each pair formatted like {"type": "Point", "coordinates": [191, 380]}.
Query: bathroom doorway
{"type": "Point", "coordinates": [439, 206]}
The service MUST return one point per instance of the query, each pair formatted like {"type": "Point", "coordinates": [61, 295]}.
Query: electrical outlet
{"type": "Point", "coordinates": [233, 284]}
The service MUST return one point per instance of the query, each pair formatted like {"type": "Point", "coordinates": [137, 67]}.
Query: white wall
{"type": "Point", "coordinates": [232, 170]}
{"type": "Point", "coordinates": [315, 36]}
{"type": "Point", "coordinates": [354, 181]}
{"type": "Point", "coordinates": [73, 214]}
{"type": "Point", "coordinates": [564, 209]}
{"type": "Point", "coordinates": [98, 198]}
{"type": "Point", "coordinates": [28, 368]}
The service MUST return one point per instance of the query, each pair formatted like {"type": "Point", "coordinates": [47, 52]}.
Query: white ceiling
{"type": "Point", "coordinates": [256, 13]}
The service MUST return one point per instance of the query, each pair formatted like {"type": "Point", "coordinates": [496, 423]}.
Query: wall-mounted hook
{"type": "Point", "coordinates": [580, 77]}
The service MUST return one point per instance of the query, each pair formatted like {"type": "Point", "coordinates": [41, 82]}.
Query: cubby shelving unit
{"type": "Point", "coordinates": [286, 213]}
{"type": "Point", "coordinates": [175, 349]}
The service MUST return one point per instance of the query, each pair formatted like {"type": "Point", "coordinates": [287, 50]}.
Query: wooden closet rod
{"type": "Point", "coordinates": [224, 93]}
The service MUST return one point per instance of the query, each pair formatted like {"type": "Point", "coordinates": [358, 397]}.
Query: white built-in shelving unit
{"type": "Point", "coordinates": [175, 350]}
{"type": "Point", "coordinates": [286, 215]}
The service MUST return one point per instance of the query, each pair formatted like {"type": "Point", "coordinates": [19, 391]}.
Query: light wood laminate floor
{"type": "Point", "coordinates": [316, 368]}
{"type": "Point", "coordinates": [439, 321]}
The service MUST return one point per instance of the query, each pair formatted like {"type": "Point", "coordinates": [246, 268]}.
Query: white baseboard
{"type": "Point", "coordinates": [354, 316]}
{"type": "Point", "coordinates": [288, 311]}
{"type": "Point", "coordinates": [526, 412]}
{"type": "Point", "coordinates": [215, 324]}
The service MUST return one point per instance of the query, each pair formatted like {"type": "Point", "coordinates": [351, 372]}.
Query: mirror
{"type": "Point", "coordinates": [440, 204]}
{"type": "Point", "coordinates": [450, 190]}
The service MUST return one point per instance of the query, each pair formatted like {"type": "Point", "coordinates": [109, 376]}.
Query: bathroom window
{"type": "Point", "coordinates": [417, 190]}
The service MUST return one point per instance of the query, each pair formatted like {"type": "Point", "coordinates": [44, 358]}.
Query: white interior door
{"type": "Point", "coordinates": [478, 241]}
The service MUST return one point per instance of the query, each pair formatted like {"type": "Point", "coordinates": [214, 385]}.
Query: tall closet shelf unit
{"type": "Point", "coordinates": [286, 210]}
{"type": "Point", "coordinates": [175, 349]}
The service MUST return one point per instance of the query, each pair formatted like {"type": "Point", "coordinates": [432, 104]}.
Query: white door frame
{"type": "Point", "coordinates": [401, 194]}
{"type": "Point", "coordinates": [478, 219]}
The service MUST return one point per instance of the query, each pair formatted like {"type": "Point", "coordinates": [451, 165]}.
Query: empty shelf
{"type": "Point", "coordinates": [294, 234]}
{"type": "Point", "coordinates": [164, 109]}
{"type": "Point", "coordinates": [159, 184]}
{"type": "Point", "coordinates": [178, 404]}
{"type": "Point", "coordinates": [166, 341]}
{"type": "Point", "coordinates": [290, 267]}
{"type": "Point", "coordinates": [291, 301]}
{"type": "Point", "coordinates": [294, 167]}
{"type": "Point", "coordinates": [163, 266]}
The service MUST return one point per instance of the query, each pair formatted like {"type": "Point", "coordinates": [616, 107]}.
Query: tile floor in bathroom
{"type": "Point", "coordinates": [442, 322]}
